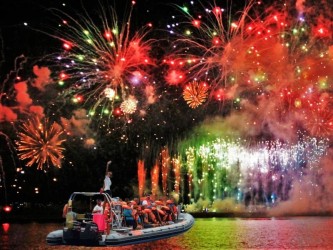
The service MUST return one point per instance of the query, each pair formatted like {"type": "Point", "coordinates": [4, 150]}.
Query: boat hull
{"type": "Point", "coordinates": [124, 236]}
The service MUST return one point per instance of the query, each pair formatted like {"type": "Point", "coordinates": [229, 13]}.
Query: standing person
{"type": "Point", "coordinates": [107, 180]}
{"type": "Point", "coordinates": [98, 216]}
{"type": "Point", "coordinates": [98, 209]}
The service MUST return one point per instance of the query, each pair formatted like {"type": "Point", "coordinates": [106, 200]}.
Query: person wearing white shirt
{"type": "Point", "coordinates": [98, 209]}
{"type": "Point", "coordinates": [108, 183]}
{"type": "Point", "coordinates": [147, 202]}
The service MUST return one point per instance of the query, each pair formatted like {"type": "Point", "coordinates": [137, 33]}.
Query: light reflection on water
{"type": "Point", "coordinates": [213, 233]}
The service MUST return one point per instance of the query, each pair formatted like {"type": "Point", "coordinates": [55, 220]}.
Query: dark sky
{"type": "Point", "coordinates": [19, 18]}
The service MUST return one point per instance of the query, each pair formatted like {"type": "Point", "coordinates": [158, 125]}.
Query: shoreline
{"type": "Point", "coordinates": [254, 215]}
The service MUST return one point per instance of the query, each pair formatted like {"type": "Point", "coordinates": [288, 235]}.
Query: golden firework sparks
{"type": "Point", "coordinates": [195, 93]}
{"type": "Point", "coordinates": [129, 105]}
{"type": "Point", "coordinates": [40, 143]}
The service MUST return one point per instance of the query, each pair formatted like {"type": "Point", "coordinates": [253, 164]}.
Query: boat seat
{"type": "Point", "coordinates": [81, 216]}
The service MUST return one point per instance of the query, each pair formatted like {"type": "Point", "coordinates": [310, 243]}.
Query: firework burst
{"type": "Point", "coordinates": [275, 60]}
{"type": "Point", "coordinates": [40, 143]}
{"type": "Point", "coordinates": [195, 93]}
{"type": "Point", "coordinates": [248, 51]}
{"type": "Point", "coordinates": [320, 123]}
{"type": "Point", "coordinates": [103, 62]}
{"type": "Point", "coordinates": [128, 106]}
{"type": "Point", "coordinates": [209, 49]}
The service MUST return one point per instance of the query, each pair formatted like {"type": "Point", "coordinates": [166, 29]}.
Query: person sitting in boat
{"type": "Point", "coordinates": [137, 213]}
{"type": "Point", "coordinates": [65, 210]}
{"type": "Point", "coordinates": [70, 215]}
{"type": "Point", "coordinates": [132, 203]}
{"type": "Point", "coordinates": [147, 202]}
{"type": "Point", "coordinates": [128, 215]}
{"type": "Point", "coordinates": [167, 218]}
{"type": "Point", "coordinates": [98, 209]}
{"type": "Point", "coordinates": [145, 220]}
{"type": "Point", "coordinates": [148, 218]}
{"type": "Point", "coordinates": [172, 215]}
{"type": "Point", "coordinates": [136, 201]}
{"type": "Point", "coordinates": [157, 215]}
{"type": "Point", "coordinates": [160, 211]}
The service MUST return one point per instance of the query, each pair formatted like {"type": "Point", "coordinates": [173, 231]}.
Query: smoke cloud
{"type": "Point", "coordinates": [78, 124]}
{"type": "Point", "coordinates": [43, 77]}
{"type": "Point", "coordinates": [7, 114]}
{"type": "Point", "coordinates": [22, 96]}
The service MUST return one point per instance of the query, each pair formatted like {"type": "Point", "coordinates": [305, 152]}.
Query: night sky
{"type": "Point", "coordinates": [39, 15]}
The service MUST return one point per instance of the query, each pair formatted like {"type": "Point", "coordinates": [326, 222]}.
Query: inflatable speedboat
{"type": "Point", "coordinates": [84, 228]}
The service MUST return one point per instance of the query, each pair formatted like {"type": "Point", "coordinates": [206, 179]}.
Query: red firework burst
{"type": "Point", "coordinates": [320, 123]}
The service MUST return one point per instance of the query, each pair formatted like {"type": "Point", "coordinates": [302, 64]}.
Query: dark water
{"type": "Point", "coordinates": [213, 233]}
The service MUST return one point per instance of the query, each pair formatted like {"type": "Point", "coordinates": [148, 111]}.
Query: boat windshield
{"type": "Point", "coordinates": [84, 204]}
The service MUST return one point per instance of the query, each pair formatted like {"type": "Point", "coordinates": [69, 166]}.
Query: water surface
{"type": "Point", "coordinates": [211, 233]}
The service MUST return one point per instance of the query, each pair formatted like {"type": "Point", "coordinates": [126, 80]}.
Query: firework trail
{"type": "Point", "coordinates": [104, 62]}
{"type": "Point", "coordinates": [141, 177]}
{"type": "Point", "coordinates": [262, 172]}
{"type": "Point", "coordinates": [40, 143]}
{"type": "Point", "coordinates": [177, 173]}
{"type": "Point", "coordinates": [165, 169]}
{"type": "Point", "coordinates": [154, 174]}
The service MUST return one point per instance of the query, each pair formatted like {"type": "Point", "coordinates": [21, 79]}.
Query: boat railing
{"type": "Point", "coordinates": [117, 213]}
{"type": "Point", "coordinates": [179, 210]}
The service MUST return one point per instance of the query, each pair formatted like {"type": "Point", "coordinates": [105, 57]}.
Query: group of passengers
{"type": "Point", "coordinates": [149, 213]}
{"type": "Point", "coordinates": [136, 213]}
